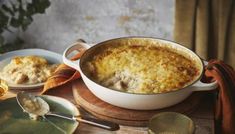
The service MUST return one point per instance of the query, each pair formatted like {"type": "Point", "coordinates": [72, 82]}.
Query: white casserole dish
{"type": "Point", "coordinates": [131, 100]}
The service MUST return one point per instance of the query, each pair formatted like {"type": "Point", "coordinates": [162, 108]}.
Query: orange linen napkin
{"type": "Point", "coordinates": [63, 74]}
{"type": "Point", "coordinates": [225, 103]}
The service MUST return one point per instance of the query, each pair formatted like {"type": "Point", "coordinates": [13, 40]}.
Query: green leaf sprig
{"type": "Point", "coordinates": [18, 14]}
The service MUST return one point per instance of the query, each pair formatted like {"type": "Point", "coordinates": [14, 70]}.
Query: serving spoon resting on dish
{"type": "Point", "coordinates": [35, 106]}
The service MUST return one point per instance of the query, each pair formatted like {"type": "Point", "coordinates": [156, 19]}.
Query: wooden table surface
{"type": "Point", "coordinates": [203, 116]}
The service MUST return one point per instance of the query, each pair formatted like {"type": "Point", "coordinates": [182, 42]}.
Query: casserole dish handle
{"type": "Point", "coordinates": [200, 86]}
{"type": "Point", "coordinates": [79, 47]}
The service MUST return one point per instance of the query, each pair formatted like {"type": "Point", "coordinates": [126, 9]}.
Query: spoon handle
{"type": "Point", "coordinates": [98, 123]}
{"type": "Point", "coordinates": [88, 120]}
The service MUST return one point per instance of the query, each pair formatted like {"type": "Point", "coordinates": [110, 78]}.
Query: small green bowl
{"type": "Point", "coordinates": [170, 123]}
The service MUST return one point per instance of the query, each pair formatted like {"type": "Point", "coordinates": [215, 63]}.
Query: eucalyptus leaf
{"type": "Point", "coordinates": [3, 20]}
{"type": "Point", "coordinates": [15, 22]}
{"type": "Point", "coordinates": [1, 40]}
{"type": "Point", "coordinates": [25, 23]}
{"type": "Point", "coordinates": [30, 9]}
{"type": "Point", "coordinates": [7, 9]}
{"type": "Point", "coordinates": [15, 9]}
{"type": "Point", "coordinates": [20, 1]}
{"type": "Point", "coordinates": [41, 5]}
{"type": "Point", "coordinates": [17, 44]}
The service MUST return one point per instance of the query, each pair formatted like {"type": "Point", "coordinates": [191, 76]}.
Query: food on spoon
{"type": "Point", "coordinates": [27, 70]}
{"type": "Point", "coordinates": [31, 105]}
{"type": "Point", "coordinates": [34, 106]}
{"type": "Point", "coordinates": [141, 69]}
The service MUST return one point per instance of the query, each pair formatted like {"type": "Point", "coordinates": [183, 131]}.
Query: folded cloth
{"type": "Point", "coordinates": [225, 103]}
{"type": "Point", "coordinates": [62, 75]}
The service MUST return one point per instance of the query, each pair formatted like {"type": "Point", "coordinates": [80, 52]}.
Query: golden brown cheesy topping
{"type": "Point", "coordinates": [142, 69]}
{"type": "Point", "coordinates": [27, 70]}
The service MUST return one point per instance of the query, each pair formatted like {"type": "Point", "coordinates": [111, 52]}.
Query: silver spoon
{"type": "Point", "coordinates": [36, 106]}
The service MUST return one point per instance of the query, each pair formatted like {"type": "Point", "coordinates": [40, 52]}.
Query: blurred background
{"type": "Point", "coordinates": [97, 20]}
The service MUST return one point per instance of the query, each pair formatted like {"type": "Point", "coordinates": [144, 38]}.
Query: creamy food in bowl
{"type": "Point", "coordinates": [27, 70]}
{"type": "Point", "coordinates": [139, 73]}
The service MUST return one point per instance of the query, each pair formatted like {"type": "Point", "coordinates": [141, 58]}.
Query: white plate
{"type": "Point", "coordinates": [51, 57]}
{"type": "Point", "coordinates": [14, 121]}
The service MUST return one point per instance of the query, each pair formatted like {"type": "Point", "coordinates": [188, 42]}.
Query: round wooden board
{"type": "Point", "coordinates": [103, 110]}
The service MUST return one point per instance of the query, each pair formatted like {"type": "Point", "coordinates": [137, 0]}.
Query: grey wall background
{"type": "Point", "coordinates": [99, 20]}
